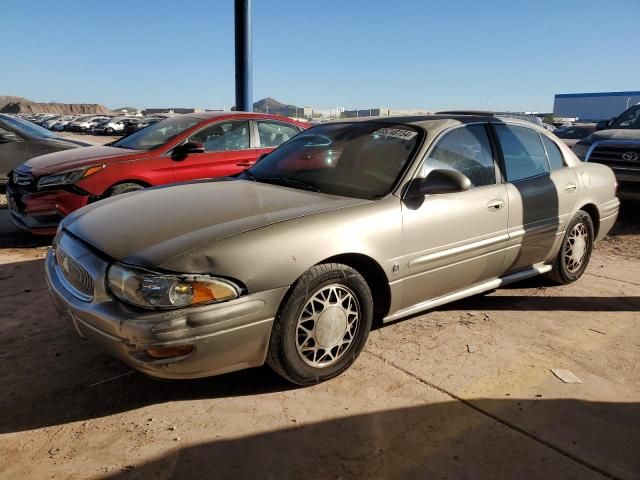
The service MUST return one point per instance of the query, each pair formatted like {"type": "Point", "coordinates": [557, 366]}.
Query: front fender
{"type": "Point", "coordinates": [277, 255]}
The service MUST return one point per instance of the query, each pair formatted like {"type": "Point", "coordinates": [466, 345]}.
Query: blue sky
{"type": "Point", "coordinates": [503, 54]}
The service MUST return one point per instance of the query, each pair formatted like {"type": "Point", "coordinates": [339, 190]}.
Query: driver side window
{"type": "Point", "coordinates": [466, 150]}
{"type": "Point", "coordinates": [224, 136]}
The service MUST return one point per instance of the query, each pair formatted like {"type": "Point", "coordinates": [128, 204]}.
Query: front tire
{"type": "Point", "coordinates": [123, 188]}
{"type": "Point", "coordinates": [575, 252]}
{"type": "Point", "coordinates": [322, 325]}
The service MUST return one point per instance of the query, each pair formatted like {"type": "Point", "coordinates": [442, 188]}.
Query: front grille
{"type": "Point", "coordinates": [74, 275]}
{"type": "Point", "coordinates": [22, 178]}
{"type": "Point", "coordinates": [617, 156]}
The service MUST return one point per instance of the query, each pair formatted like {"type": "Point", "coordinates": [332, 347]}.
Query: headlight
{"type": "Point", "coordinates": [69, 177]}
{"type": "Point", "coordinates": [152, 290]}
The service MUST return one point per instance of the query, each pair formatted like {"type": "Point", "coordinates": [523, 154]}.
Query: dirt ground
{"type": "Point", "coordinates": [464, 391]}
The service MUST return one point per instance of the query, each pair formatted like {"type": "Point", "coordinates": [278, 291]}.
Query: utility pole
{"type": "Point", "coordinates": [244, 67]}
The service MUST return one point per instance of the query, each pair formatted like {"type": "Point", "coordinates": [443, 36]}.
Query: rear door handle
{"type": "Point", "coordinates": [570, 187]}
{"type": "Point", "coordinates": [247, 163]}
{"type": "Point", "coordinates": [495, 205]}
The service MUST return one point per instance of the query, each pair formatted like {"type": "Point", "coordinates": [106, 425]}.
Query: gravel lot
{"type": "Point", "coordinates": [464, 391]}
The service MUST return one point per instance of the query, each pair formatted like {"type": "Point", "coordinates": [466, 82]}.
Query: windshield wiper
{"type": "Point", "coordinates": [288, 182]}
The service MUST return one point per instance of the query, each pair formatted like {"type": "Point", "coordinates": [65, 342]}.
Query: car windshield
{"type": "Point", "coordinates": [157, 134]}
{"type": "Point", "coordinates": [27, 128]}
{"type": "Point", "coordinates": [629, 119]}
{"type": "Point", "coordinates": [361, 160]}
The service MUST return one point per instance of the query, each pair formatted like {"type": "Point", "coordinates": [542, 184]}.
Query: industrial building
{"type": "Point", "coordinates": [593, 106]}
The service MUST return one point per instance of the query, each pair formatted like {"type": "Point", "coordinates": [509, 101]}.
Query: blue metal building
{"type": "Point", "coordinates": [593, 106]}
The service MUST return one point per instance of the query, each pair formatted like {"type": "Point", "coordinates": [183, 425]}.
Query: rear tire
{"type": "Point", "coordinates": [322, 325]}
{"type": "Point", "coordinates": [123, 188]}
{"type": "Point", "coordinates": [575, 251]}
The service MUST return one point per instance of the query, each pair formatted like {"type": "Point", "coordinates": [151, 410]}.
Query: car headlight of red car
{"type": "Point", "coordinates": [69, 177]}
{"type": "Point", "coordinates": [152, 290]}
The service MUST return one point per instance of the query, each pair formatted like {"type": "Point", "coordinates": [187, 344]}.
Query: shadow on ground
{"type": "Point", "coordinates": [539, 439]}
{"type": "Point", "coordinates": [42, 358]}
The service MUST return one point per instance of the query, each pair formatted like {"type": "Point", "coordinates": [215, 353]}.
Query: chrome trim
{"type": "Point", "coordinates": [468, 292]}
{"type": "Point", "coordinates": [85, 277]}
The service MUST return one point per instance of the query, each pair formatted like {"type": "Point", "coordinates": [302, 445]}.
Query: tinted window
{"type": "Point", "coordinates": [629, 119]}
{"type": "Point", "coordinates": [553, 153]}
{"type": "Point", "coordinates": [273, 134]}
{"type": "Point", "coordinates": [524, 155]}
{"type": "Point", "coordinates": [362, 160]}
{"type": "Point", "coordinates": [467, 150]}
{"type": "Point", "coordinates": [223, 136]}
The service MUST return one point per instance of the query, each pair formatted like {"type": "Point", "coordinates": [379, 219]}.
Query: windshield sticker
{"type": "Point", "coordinates": [395, 133]}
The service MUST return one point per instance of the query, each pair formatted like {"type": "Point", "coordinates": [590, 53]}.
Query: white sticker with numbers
{"type": "Point", "coordinates": [398, 133]}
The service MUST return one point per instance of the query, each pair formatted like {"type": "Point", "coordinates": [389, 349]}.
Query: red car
{"type": "Point", "coordinates": [45, 189]}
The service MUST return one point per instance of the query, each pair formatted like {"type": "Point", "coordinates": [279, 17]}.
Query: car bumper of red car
{"type": "Point", "coordinates": [41, 212]}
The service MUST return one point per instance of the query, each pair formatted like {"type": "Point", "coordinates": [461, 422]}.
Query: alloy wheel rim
{"type": "Point", "coordinates": [576, 247]}
{"type": "Point", "coordinates": [327, 326]}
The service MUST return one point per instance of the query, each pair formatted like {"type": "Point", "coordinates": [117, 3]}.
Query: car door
{"type": "Point", "coordinates": [455, 240]}
{"type": "Point", "coordinates": [228, 150]}
{"type": "Point", "coordinates": [272, 133]}
{"type": "Point", "coordinates": [541, 198]}
{"type": "Point", "coordinates": [14, 150]}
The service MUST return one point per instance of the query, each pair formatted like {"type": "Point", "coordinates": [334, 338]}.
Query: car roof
{"type": "Point", "coordinates": [442, 120]}
{"type": "Point", "coordinates": [233, 114]}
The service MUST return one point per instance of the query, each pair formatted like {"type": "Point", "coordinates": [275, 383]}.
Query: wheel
{"type": "Point", "coordinates": [123, 188]}
{"type": "Point", "coordinates": [575, 251]}
{"type": "Point", "coordinates": [322, 325]}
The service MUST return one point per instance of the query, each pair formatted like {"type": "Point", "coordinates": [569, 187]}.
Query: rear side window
{"type": "Point", "coordinates": [224, 136]}
{"type": "Point", "coordinates": [524, 155]}
{"type": "Point", "coordinates": [556, 161]}
{"type": "Point", "coordinates": [466, 150]}
{"type": "Point", "coordinates": [273, 133]}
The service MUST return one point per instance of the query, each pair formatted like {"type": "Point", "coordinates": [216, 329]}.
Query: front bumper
{"type": "Point", "coordinates": [41, 212]}
{"type": "Point", "coordinates": [226, 337]}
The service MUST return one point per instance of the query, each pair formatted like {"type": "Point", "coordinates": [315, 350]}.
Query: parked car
{"type": "Point", "coordinates": [177, 149]}
{"type": "Point", "coordinates": [114, 125]}
{"type": "Point", "coordinates": [74, 125]}
{"type": "Point", "coordinates": [290, 263]}
{"type": "Point", "coordinates": [134, 125]}
{"type": "Point", "coordinates": [61, 124]}
{"type": "Point", "coordinates": [572, 134]}
{"type": "Point", "coordinates": [21, 140]}
{"type": "Point", "coordinates": [90, 123]}
{"type": "Point", "coordinates": [617, 145]}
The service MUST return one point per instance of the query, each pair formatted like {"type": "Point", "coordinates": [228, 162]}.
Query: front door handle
{"type": "Point", "coordinates": [247, 163]}
{"type": "Point", "coordinates": [570, 187]}
{"type": "Point", "coordinates": [495, 205]}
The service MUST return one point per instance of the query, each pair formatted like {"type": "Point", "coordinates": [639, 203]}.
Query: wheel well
{"type": "Point", "coordinates": [137, 182]}
{"type": "Point", "coordinates": [593, 212]}
{"type": "Point", "coordinates": [374, 276]}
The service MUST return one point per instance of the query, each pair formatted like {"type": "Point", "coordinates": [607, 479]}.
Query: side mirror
{"type": "Point", "coordinates": [187, 148]}
{"type": "Point", "coordinates": [439, 181]}
{"type": "Point", "coordinates": [604, 124]}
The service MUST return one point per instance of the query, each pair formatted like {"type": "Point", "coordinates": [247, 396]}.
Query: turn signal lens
{"type": "Point", "coordinates": [92, 170]}
{"type": "Point", "coordinates": [169, 352]}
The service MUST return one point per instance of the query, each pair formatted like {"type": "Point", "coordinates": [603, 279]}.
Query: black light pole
{"type": "Point", "coordinates": [244, 87]}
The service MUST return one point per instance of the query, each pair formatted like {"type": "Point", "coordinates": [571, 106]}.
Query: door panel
{"type": "Point", "coordinates": [453, 241]}
{"type": "Point", "coordinates": [228, 150]}
{"type": "Point", "coordinates": [542, 193]}
{"type": "Point", "coordinates": [533, 222]}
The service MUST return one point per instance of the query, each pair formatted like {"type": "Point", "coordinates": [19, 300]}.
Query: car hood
{"type": "Point", "coordinates": [624, 134]}
{"type": "Point", "coordinates": [80, 157]}
{"type": "Point", "coordinates": [150, 227]}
